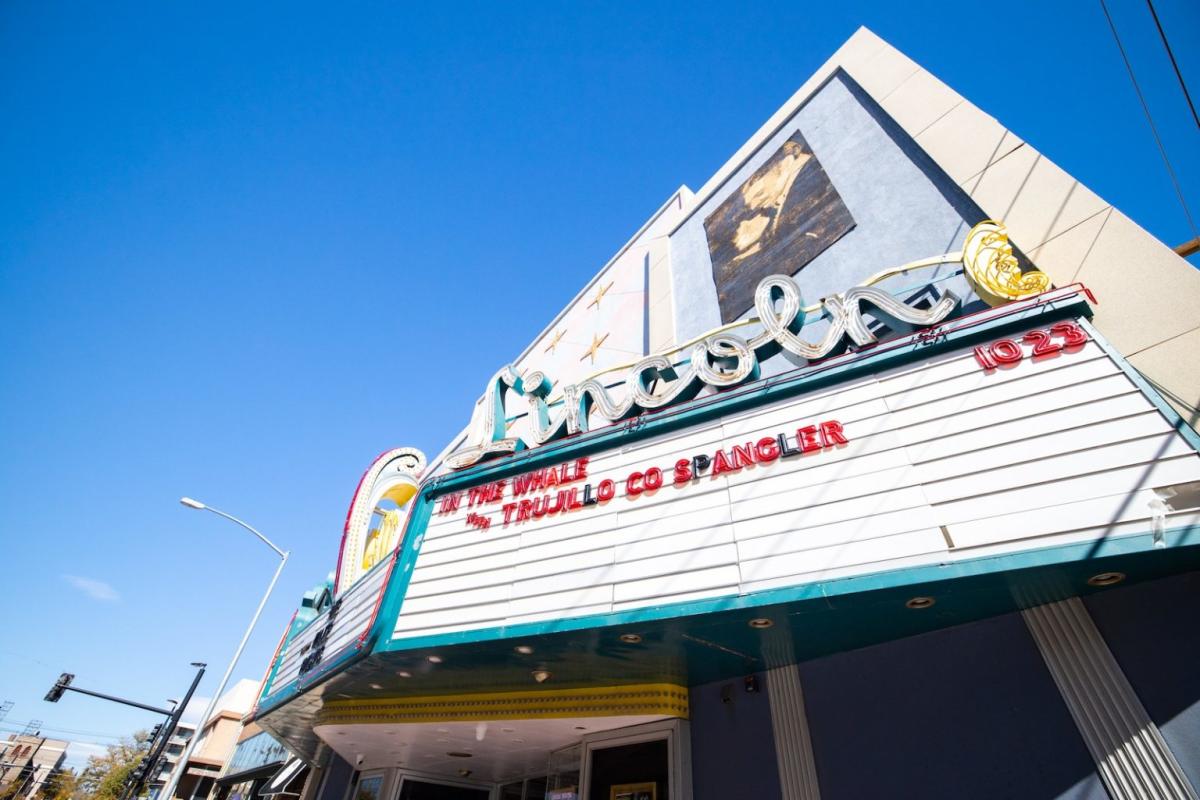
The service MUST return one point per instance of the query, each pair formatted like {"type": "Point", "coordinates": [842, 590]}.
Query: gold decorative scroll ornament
{"type": "Point", "coordinates": [992, 269]}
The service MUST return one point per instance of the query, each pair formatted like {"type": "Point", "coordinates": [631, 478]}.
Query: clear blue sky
{"type": "Point", "coordinates": [234, 240]}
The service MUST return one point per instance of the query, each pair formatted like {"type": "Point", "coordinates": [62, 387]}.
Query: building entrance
{"type": "Point", "coordinates": [423, 790]}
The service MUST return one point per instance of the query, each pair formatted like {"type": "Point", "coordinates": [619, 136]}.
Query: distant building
{"type": "Point", "coordinates": [215, 745]}
{"type": "Point", "coordinates": [170, 757]}
{"type": "Point", "coordinates": [28, 762]}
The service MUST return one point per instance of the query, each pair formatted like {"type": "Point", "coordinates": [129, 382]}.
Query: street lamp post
{"type": "Point", "coordinates": [181, 766]}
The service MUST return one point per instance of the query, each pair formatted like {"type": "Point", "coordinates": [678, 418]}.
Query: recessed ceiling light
{"type": "Point", "coordinates": [458, 754]}
{"type": "Point", "coordinates": [761, 623]}
{"type": "Point", "coordinates": [580, 728]}
{"type": "Point", "coordinates": [341, 733]}
{"type": "Point", "coordinates": [523, 649]}
{"type": "Point", "coordinates": [404, 673]}
{"type": "Point", "coordinates": [1106, 578]}
{"type": "Point", "coordinates": [391, 733]}
{"type": "Point", "coordinates": [507, 730]}
{"type": "Point", "coordinates": [518, 741]}
{"type": "Point", "coordinates": [541, 675]}
{"type": "Point", "coordinates": [434, 659]}
{"type": "Point", "coordinates": [630, 638]}
{"type": "Point", "coordinates": [443, 730]}
{"type": "Point", "coordinates": [376, 686]}
{"type": "Point", "coordinates": [920, 602]}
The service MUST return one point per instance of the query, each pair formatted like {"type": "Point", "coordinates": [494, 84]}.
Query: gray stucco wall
{"type": "Point", "coordinates": [904, 206]}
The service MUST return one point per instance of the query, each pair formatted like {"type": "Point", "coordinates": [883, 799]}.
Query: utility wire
{"type": "Point", "coordinates": [1171, 55]}
{"type": "Point", "coordinates": [1153, 129]}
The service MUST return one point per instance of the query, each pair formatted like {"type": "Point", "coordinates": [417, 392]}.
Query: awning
{"type": "Point", "coordinates": [252, 774]}
{"type": "Point", "coordinates": [289, 779]}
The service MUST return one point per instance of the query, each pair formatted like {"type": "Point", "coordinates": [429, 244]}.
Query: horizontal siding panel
{"type": "Point", "coordinates": [1003, 500]}
{"type": "Point", "coordinates": [675, 543]}
{"type": "Point", "coordinates": [842, 401]}
{"type": "Point", "coordinates": [861, 486]}
{"type": "Point", "coordinates": [563, 581]}
{"type": "Point", "coordinates": [1054, 519]}
{"type": "Point", "coordinates": [859, 529]}
{"type": "Point", "coordinates": [1038, 448]}
{"type": "Point", "coordinates": [721, 589]}
{"type": "Point", "coordinates": [961, 439]}
{"type": "Point", "coordinates": [1096, 459]}
{"type": "Point", "coordinates": [861, 553]}
{"type": "Point", "coordinates": [565, 603]}
{"type": "Point", "coordinates": [932, 386]}
{"type": "Point", "coordinates": [1004, 391]}
{"type": "Point", "coordinates": [496, 593]}
{"type": "Point", "coordinates": [1018, 408]}
{"type": "Point", "coordinates": [666, 588]}
{"type": "Point", "coordinates": [805, 517]}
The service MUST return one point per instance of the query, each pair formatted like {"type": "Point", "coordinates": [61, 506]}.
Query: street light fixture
{"type": "Point", "coordinates": [181, 765]}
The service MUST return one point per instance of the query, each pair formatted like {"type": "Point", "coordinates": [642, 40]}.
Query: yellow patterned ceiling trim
{"type": "Point", "coordinates": [992, 269]}
{"type": "Point", "coordinates": [654, 699]}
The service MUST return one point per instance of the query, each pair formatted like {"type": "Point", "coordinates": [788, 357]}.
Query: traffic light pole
{"type": "Point", "coordinates": [158, 743]}
{"type": "Point", "coordinates": [156, 751]}
{"type": "Point", "coordinates": [102, 696]}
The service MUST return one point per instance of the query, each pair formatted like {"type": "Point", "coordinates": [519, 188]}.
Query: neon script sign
{"type": "Point", "coordinates": [722, 359]}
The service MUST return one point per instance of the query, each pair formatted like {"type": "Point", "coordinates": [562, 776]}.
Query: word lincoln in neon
{"type": "Point", "coordinates": [721, 359]}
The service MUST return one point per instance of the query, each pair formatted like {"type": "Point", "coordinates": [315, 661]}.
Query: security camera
{"type": "Point", "coordinates": [358, 760]}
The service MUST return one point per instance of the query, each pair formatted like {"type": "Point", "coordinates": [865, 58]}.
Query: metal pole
{"type": "Point", "coordinates": [102, 696]}
{"type": "Point", "coordinates": [181, 767]}
{"type": "Point", "coordinates": [168, 730]}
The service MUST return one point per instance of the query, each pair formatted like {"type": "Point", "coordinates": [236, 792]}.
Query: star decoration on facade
{"type": "Point", "coordinates": [591, 351]}
{"type": "Point", "coordinates": [553, 342]}
{"type": "Point", "coordinates": [600, 296]}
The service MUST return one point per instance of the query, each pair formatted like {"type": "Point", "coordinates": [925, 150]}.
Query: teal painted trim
{"type": "Point", "coordinates": [877, 358]}
{"type": "Point", "coordinates": [406, 562]}
{"type": "Point", "coordinates": [1173, 418]}
{"type": "Point", "coordinates": [389, 608]}
{"type": "Point", "coordinates": [293, 629]}
{"type": "Point", "coordinates": [1132, 544]}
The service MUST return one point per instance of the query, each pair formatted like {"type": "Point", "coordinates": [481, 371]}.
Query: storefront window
{"type": "Point", "coordinates": [631, 772]}
{"type": "Point", "coordinates": [369, 788]}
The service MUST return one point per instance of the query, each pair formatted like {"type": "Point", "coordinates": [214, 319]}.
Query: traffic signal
{"type": "Point", "coordinates": [56, 691]}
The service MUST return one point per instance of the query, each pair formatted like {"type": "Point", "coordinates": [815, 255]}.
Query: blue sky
{"type": "Point", "coordinates": [239, 242]}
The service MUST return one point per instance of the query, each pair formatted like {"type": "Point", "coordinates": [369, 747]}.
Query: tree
{"type": "Point", "coordinates": [62, 784]}
{"type": "Point", "coordinates": [104, 776]}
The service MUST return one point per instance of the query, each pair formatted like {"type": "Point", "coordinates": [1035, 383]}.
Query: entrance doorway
{"type": "Point", "coordinates": [631, 772]}
{"type": "Point", "coordinates": [422, 790]}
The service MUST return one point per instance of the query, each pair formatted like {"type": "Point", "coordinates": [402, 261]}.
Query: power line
{"type": "Point", "coordinates": [1171, 55]}
{"type": "Point", "coordinates": [1153, 129]}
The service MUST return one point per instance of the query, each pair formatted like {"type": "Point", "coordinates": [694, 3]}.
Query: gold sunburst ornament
{"type": "Point", "coordinates": [591, 351]}
{"type": "Point", "coordinates": [992, 269]}
{"type": "Point", "coordinates": [600, 296]}
{"type": "Point", "coordinates": [554, 342]}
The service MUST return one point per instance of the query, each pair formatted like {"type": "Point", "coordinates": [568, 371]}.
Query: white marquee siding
{"type": "Point", "coordinates": [1048, 451]}
{"type": "Point", "coordinates": [357, 605]}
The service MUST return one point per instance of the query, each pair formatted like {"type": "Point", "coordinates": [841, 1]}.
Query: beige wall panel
{"type": "Point", "coordinates": [966, 141]}
{"type": "Point", "coordinates": [1033, 197]}
{"type": "Point", "coordinates": [1173, 363]}
{"type": "Point", "coordinates": [880, 74]}
{"type": "Point", "coordinates": [1062, 256]}
{"type": "Point", "coordinates": [1147, 293]}
{"type": "Point", "coordinates": [920, 101]}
